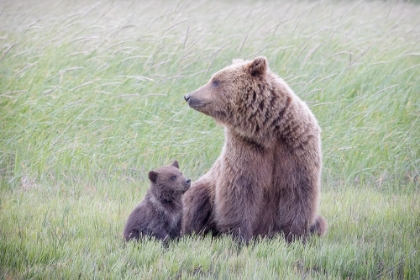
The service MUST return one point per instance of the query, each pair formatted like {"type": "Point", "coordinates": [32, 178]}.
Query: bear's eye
{"type": "Point", "coordinates": [215, 82]}
{"type": "Point", "coordinates": [173, 177]}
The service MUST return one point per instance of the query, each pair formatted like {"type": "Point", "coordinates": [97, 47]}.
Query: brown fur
{"type": "Point", "coordinates": [267, 178]}
{"type": "Point", "coordinates": [160, 213]}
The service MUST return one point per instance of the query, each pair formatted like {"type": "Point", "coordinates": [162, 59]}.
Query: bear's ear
{"type": "Point", "coordinates": [176, 164]}
{"type": "Point", "coordinates": [258, 66]}
{"type": "Point", "coordinates": [153, 176]}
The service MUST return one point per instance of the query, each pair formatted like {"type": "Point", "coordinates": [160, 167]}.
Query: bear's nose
{"type": "Point", "coordinates": [188, 181]}
{"type": "Point", "coordinates": [187, 97]}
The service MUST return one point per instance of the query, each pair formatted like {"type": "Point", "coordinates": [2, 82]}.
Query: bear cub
{"type": "Point", "coordinates": [159, 215]}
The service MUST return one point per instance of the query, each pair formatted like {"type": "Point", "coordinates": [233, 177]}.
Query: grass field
{"type": "Point", "coordinates": [91, 99]}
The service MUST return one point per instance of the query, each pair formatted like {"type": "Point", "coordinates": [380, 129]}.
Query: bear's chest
{"type": "Point", "coordinates": [243, 184]}
{"type": "Point", "coordinates": [245, 166]}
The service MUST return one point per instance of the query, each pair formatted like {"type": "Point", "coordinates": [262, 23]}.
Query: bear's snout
{"type": "Point", "coordinates": [187, 185]}
{"type": "Point", "coordinates": [194, 102]}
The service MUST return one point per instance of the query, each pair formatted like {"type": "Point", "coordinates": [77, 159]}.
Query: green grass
{"type": "Point", "coordinates": [91, 99]}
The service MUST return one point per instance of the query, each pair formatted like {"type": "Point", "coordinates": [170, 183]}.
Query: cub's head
{"type": "Point", "coordinates": [168, 183]}
{"type": "Point", "coordinates": [232, 92]}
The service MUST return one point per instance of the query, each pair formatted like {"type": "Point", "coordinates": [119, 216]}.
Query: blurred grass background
{"type": "Point", "coordinates": [91, 99]}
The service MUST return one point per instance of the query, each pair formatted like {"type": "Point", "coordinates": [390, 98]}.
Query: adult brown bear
{"type": "Point", "coordinates": [267, 178]}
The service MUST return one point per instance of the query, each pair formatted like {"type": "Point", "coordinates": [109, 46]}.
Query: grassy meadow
{"type": "Point", "coordinates": [91, 99]}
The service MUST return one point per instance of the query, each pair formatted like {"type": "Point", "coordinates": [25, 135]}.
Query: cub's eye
{"type": "Point", "coordinates": [173, 178]}
{"type": "Point", "coordinates": [215, 82]}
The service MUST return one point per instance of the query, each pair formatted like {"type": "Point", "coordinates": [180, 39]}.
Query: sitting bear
{"type": "Point", "coordinates": [267, 178]}
{"type": "Point", "coordinates": [159, 215]}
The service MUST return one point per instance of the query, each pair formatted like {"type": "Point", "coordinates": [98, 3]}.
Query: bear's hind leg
{"type": "Point", "coordinates": [132, 234]}
{"type": "Point", "coordinates": [299, 230]}
{"type": "Point", "coordinates": [302, 230]}
{"type": "Point", "coordinates": [319, 227]}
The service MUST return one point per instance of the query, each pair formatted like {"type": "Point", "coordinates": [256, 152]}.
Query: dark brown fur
{"type": "Point", "coordinates": [267, 178]}
{"type": "Point", "coordinates": [159, 215]}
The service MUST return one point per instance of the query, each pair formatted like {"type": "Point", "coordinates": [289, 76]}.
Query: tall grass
{"type": "Point", "coordinates": [91, 98]}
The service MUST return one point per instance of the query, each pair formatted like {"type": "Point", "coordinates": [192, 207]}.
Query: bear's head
{"type": "Point", "coordinates": [168, 183]}
{"type": "Point", "coordinates": [240, 96]}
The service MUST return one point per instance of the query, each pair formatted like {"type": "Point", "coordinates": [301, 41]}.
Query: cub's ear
{"type": "Point", "coordinates": [153, 176]}
{"type": "Point", "coordinates": [237, 61]}
{"type": "Point", "coordinates": [258, 66]}
{"type": "Point", "coordinates": [176, 164]}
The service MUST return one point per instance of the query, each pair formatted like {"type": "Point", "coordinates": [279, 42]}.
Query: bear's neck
{"type": "Point", "coordinates": [234, 137]}
{"type": "Point", "coordinates": [165, 201]}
